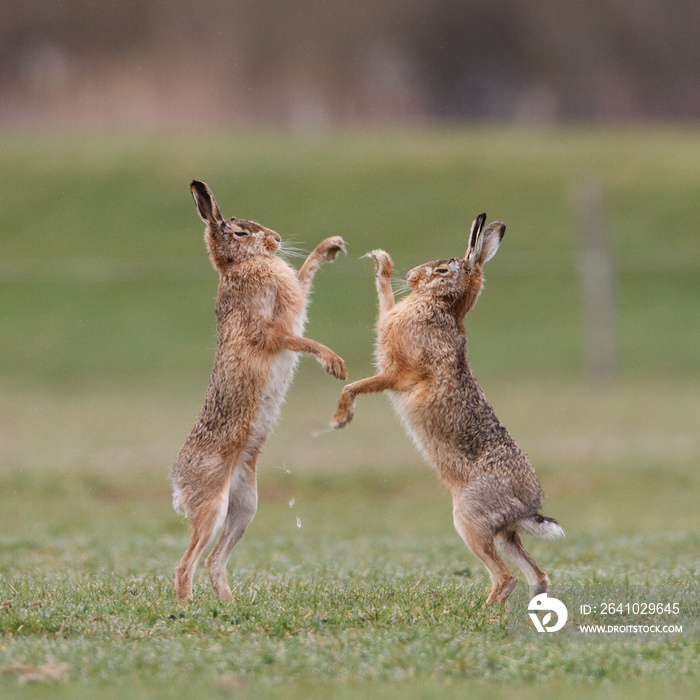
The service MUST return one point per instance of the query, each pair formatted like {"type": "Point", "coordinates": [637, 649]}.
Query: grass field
{"type": "Point", "coordinates": [351, 581]}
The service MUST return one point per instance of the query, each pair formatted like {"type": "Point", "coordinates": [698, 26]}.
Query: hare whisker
{"type": "Point", "coordinates": [289, 250]}
{"type": "Point", "coordinates": [400, 286]}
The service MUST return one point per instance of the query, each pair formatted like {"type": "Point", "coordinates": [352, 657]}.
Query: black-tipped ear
{"type": "Point", "coordinates": [492, 237]}
{"type": "Point", "coordinates": [207, 207]}
{"type": "Point", "coordinates": [477, 225]}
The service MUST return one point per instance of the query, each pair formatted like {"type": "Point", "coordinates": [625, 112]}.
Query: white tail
{"type": "Point", "coordinates": [540, 526]}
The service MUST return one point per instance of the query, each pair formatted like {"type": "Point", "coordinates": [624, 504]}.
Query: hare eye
{"type": "Point", "coordinates": [240, 234]}
{"type": "Point", "coordinates": [442, 270]}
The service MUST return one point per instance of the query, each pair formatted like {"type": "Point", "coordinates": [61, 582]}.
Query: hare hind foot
{"type": "Point", "coordinates": [501, 591]}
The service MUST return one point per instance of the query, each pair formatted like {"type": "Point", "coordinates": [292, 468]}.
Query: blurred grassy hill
{"type": "Point", "coordinates": [106, 292]}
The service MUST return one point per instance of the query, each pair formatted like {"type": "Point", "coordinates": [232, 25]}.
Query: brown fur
{"type": "Point", "coordinates": [422, 357]}
{"type": "Point", "coordinates": [260, 312]}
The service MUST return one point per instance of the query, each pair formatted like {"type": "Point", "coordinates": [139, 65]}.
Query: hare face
{"type": "Point", "coordinates": [234, 240]}
{"type": "Point", "coordinates": [231, 240]}
{"type": "Point", "coordinates": [439, 278]}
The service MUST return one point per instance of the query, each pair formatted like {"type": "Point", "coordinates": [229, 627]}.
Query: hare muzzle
{"type": "Point", "coordinates": [272, 243]}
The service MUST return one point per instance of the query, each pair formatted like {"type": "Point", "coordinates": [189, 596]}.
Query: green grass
{"type": "Point", "coordinates": [374, 589]}
{"type": "Point", "coordinates": [106, 311]}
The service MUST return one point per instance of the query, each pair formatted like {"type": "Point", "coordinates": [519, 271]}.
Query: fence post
{"type": "Point", "coordinates": [596, 283]}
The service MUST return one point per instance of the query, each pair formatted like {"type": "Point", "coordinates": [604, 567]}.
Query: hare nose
{"type": "Point", "coordinates": [277, 237]}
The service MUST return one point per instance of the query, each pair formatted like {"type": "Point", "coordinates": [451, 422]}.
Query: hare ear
{"type": "Point", "coordinates": [207, 207]}
{"type": "Point", "coordinates": [474, 238]}
{"type": "Point", "coordinates": [491, 238]}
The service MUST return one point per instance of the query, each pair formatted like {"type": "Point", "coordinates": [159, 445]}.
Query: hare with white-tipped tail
{"type": "Point", "coordinates": [421, 354]}
{"type": "Point", "coordinates": [260, 311]}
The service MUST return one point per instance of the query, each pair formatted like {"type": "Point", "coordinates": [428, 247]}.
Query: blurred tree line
{"type": "Point", "coordinates": [314, 63]}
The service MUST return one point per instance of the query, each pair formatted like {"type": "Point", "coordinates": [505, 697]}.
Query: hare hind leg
{"type": "Point", "coordinates": [512, 546]}
{"type": "Point", "coordinates": [482, 543]}
{"type": "Point", "coordinates": [205, 521]}
{"type": "Point", "coordinates": [242, 506]}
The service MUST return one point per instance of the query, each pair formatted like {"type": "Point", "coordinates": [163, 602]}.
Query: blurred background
{"type": "Point", "coordinates": [393, 124]}
{"type": "Point", "coordinates": [313, 64]}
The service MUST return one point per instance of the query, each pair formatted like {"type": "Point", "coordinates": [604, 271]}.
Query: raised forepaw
{"type": "Point", "coordinates": [383, 265]}
{"type": "Point", "coordinates": [329, 248]}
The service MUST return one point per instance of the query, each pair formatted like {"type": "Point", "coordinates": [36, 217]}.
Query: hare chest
{"type": "Point", "coordinates": [414, 427]}
{"type": "Point", "coordinates": [281, 371]}
{"type": "Point", "coordinates": [417, 353]}
{"type": "Point", "coordinates": [408, 405]}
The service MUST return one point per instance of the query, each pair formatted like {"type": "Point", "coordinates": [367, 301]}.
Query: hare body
{"type": "Point", "coordinates": [421, 354]}
{"type": "Point", "coordinates": [261, 312]}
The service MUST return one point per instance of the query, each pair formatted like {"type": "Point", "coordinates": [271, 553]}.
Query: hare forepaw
{"type": "Point", "coordinates": [333, 364]}
{"type": "Point", "coordinates": [383, 265]}
{"type": "Point", "coordinates": [345, 411]}
{"type": "Point", "coordinates": [330, 248]}
{"type": "Point", "coordinates": [341, 419]}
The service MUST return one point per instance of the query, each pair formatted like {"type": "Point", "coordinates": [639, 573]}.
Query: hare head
{"type": "Point", "coordinates": [460, 279]}
{"type": "Point", "coordinates": [231, 240]}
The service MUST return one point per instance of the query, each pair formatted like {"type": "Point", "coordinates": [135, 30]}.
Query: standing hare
{"type": "Point", "coordinates": [260, 312]}
{"type": "Point", "coordinates": [422, 357]}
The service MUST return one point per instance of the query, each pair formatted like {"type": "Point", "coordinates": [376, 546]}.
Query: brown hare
{"type": "Point", "coordinates": [421, 353]}
{"type": "Point", "coordinates": [260, 312]}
